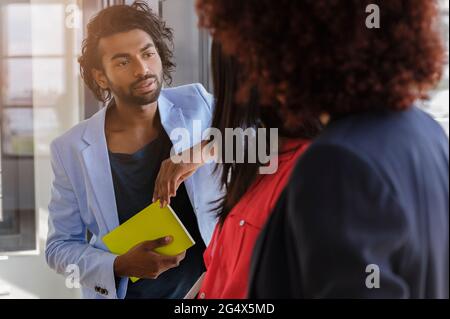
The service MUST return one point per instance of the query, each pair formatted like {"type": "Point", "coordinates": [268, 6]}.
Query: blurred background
{"type": "Point", "coordinates": [42, 96]}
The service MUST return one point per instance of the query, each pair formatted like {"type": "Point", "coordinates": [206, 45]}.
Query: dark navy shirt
{"type": "Point", "coordinates": [133, 177]}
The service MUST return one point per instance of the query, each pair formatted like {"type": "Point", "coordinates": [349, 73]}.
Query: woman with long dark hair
{"type": "Point", "coordinates": [249, 196]}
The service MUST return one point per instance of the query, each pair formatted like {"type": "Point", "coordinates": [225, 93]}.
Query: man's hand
{"type": "Point", "coordinates": [171, 174]}
{"type": "Point", "coordinates": [141, 261]}
{"type": "Point", "coordinates": [169, 178]}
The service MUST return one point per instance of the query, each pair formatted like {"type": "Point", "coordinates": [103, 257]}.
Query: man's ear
{"type": "Point", "coordinates": [100, 78]}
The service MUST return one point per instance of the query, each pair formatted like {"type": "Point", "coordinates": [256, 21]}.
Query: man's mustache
{"type": "Point", "coordinates": [138, 82]}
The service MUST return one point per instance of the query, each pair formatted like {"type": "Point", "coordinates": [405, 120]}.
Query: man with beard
{"type": "Point", "coordinates": [106, 166]}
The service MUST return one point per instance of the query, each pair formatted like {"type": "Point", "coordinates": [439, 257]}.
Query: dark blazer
{"type": "Point", "coordinates": [370, 194]}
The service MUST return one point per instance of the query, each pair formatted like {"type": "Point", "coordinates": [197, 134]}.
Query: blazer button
{"type": "Point", "coordinates": [242, 223]}
{"type": "Point", "coordinates": [105, 292]}
{"type": "Point", "coordinates": [97, 288]}
{"type": "Point", "coordinates": [202, 295]}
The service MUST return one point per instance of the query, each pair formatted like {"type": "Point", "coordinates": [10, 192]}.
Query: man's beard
{"type": "Point", "coordinates": [128, 97]}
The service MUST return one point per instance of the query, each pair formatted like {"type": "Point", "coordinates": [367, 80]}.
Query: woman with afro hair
{"type": "Point", "coordinates": [365, 213]}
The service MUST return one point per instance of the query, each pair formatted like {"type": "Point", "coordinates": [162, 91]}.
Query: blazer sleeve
{"type": "Point", "coordinates": [346, 225]}
{"type": "Point", "coordinates": [67, 247]}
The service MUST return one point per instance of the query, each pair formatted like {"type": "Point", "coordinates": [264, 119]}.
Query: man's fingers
{"type": "Point", "coordinates": [172, 188]}
{"type": "Point", "coordinates": [169, 178]}
{"type": "Point", "coordinates": [187, 175]}
{"type": "Point", "coordinates": [158, 191]}
{"type": "Point", "coordinates": [155, 196]}
{"type": "Point", "coordinates": [166, 195]}
{"type": "Point", "coordinates": [152, 244]}
{"type": "Point", "coordinates": [173, 261]}
{"type": "Point", "coordinates": [181, 256]}
{"type": "Point", "coordinates": [156, 187]}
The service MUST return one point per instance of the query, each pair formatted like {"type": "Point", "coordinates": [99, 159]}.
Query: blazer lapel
{"type": "Point", "coordinates": [96, 162]}
{"type": "Point", "coordinates": [172, 118]}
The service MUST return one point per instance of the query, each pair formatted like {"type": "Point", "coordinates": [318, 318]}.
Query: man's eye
{"type": "Point", "coordinates": [149, 54]}
{"type": "Point", "coordinates": [123, 63]}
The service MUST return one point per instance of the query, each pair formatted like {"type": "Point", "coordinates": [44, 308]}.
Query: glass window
{"type": "Point", "coordinates": [40, 93]}
{"type": "Point", "coordinates": [18, 225]}
{"type": "Point", "coordinates": [17, 81]}
{"type": "Point", "coordinates": [49, 81]}
{"type": "Point", "coordinates": [438, 106]}
{"type": "Point", "coordinates": [17, 28]}
{"type": "Point", "coordinates": [52, 27]}
{"type": "Point", "coordinates": [18, 131]}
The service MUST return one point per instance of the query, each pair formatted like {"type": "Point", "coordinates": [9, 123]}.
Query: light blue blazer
{"type": "Point", "coordinates": [82, 196]}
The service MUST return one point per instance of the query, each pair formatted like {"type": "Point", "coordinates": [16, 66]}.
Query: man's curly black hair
{"type": "Point", "coordinates": [118, 19]}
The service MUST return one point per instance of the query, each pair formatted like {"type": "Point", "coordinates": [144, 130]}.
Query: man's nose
{"type": "Point", "coordinates": [141, 69]}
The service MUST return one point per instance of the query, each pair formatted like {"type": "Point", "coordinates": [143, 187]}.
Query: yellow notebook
{"type": "Point", "coordinates": [151, 223]}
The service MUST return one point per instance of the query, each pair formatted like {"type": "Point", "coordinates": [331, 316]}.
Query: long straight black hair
{"type": "Point", "coordinates": [238, 177]}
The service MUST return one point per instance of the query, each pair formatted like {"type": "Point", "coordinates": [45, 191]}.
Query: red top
{"type": "Point", "coordinates": [227, 258]}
